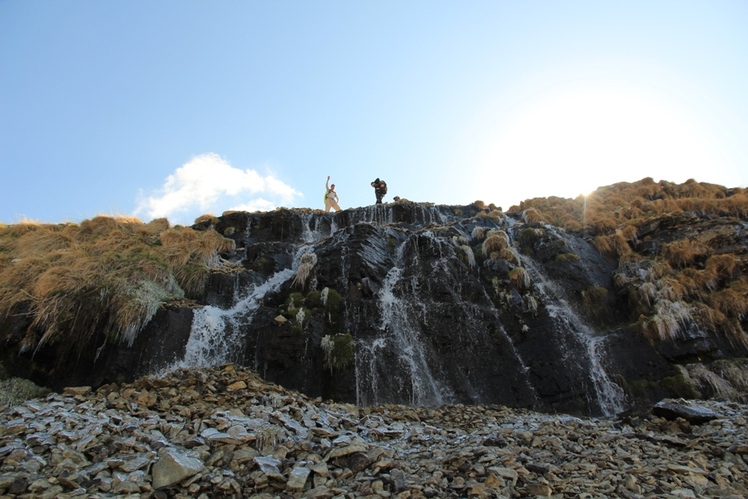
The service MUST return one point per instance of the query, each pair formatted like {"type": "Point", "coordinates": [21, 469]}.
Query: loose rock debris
{"type": "Point", "coordinates": [224, 432]}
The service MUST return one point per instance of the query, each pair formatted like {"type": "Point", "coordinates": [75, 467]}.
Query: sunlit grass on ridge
{"type": "Point", "coordinates": [109, 275]}
{"type": "Point", "coordinates": [687, 282]}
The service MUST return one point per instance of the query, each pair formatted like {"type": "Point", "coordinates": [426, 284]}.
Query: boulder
{"type": "Point", "coordinates": [173, 467]}
{"type": "Point", "coordinates": [694, 414]}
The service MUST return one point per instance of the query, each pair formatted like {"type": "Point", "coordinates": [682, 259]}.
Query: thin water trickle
{"type": "Point", "coordinates": [398, 337]}
{"type": "Point", "coordinates": [311, 232]}
{"type": "Point", "coordinates": [608, 395]}
{"type": "Point", "coordinates": [584, 215]}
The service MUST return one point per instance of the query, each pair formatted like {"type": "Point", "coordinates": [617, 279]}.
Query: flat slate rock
{"type": "Point", "coordinates": [693, 414]}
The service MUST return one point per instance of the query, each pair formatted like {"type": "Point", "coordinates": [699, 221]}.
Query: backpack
{"type": "Point", "coordinates": [382, 187]}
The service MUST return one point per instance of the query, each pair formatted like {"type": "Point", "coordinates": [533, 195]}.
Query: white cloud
{"type": "Point", "coordinates": [209, 184]}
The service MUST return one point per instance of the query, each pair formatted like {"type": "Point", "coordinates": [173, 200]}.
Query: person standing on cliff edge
{"type": "Point", "coordinates": [380, 189]}
{"type": "Point", "coordinates": [331, 197]}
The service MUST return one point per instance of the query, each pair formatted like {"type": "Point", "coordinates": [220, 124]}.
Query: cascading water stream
{"type": "Point", "coordinates": [310, 231]}
{"type": "Point", "coordinates": [403, 340]}
{"type": "Point", "coordinates": [216, 336]}
{"type": "Point", "coordinates": [608, 395]}
{"type": "Point", "coordinates": [513, 348]}
{"type": "Point", "coordinates": [385, 214]}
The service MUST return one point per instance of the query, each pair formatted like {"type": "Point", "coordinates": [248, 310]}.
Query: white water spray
{"type": "Point", "coordinates": [216, 336]}
{"type": "Point", "coordinates": [400, 338]}
{"type": "Point", "coordinates": [609, 395]}
{"type": "Point", "coordinates": [310, 231]}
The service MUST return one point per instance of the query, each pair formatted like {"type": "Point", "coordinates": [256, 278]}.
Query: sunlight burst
{"type": "Point", "coordinates": [570, 144]}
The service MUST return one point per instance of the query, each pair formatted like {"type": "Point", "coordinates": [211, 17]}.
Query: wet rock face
{"type": "Point", "coordinates": [224, 432]}
{"type": "Point", "coordinates": [404, 303]}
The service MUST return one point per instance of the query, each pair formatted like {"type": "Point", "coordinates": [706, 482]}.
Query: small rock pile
{"type": "Point", "coordinates": [224, 432]}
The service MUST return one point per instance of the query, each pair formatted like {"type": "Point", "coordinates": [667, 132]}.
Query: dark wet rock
{"type": "Point", "coordinates": [358, 462]}
{"type": "Point", "coordinates": [669, 409]}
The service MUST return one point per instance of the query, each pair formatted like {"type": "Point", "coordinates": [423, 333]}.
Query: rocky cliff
{"type": "Point", "coordinates": [428, 305]}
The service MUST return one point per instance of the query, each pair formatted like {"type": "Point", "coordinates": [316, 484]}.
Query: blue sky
{"type": "Point", "coordinates": [180, 108]}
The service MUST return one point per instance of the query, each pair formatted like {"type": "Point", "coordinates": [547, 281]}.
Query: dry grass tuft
{"type": "Point", "coordinates": [497, 215]}
{"type": "Point", "coordinates": [685, 285]}
{"type": "Point", "coordinates": [734, 371]}
{"type": "Point", "coordinates": [722, 265]}
{"type": "Point", "coordinates": [496, 241]}
{"type": "Point", "coordinates": [107, 276]}
{"type": "Point", "coordinates": [155, 226]}
{"type": "Point", "coordinates": [469, 255]}
{"type": "Point", "coordinates": [510, 255]}
{"type": "Point", "coordinates": [521, 278]}
{"type": "Point", "coordinates": [623, 204]}
{"type": "Point", "coordinates": [530, 304]}
{"type": "Point", "coordinates": [478, 233]}
{"type": "Point", "coordinates": [99, 225]}
{"type": "Point", "coordinates": [670, 289]}
{"type": "Point", "coordinates": [306, 265]}
{"type": "Point", "coordinates": [731, 302]}
{"type": "Point", "coordinates": [678, 253]}
{"type": "Point", "coordinates": [668, 322]}
{"type": "Point", "coordinates": [532, 215]}
{"type": "Point", "coordinates": [614, 245]}
{"type": "Point", "coordinates": [208, 218]}
{"type": "Point", "coordinates": [572, 225]}
{"type": "Point", "coordinates": [630, 233]}
{"type": "Point", "coordinates": [706, 379]}
{"type": "Point", "coordinates": [595, 300]}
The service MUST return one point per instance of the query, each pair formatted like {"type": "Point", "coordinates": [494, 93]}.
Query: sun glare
{"type": "Point", "coordinates": [570, 144]}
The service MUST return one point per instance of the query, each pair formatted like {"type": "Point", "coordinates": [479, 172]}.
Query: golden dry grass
{"type": "Point", "coordinates": [108, 275]}
{"type": "Point", "coordinates": [521, 278]}
{"type": "Point", "coordinates": [306, 265]}
{"type": "Point", "coordinates": [532, 215]}
{"type": "Point", "coordinates": [478, 233]}
{"type": "Point", "coordinates": [571, 224]}
{"type": "Point", "coordinates": [682, 252]}
{"type": "Point", "coordinates": [684, 286]}
{"type": "Point", "coordinates": [620, 205]}
{"type": "Point", "coordinates": [630, 233]}
{"type": "Point", "coordinates": [510, 255]}
{"type": "Point", "coordinates": [672, 294]}
{"type": "Point", "coordinates": [207, 218]}
{"type": "Point", "coordinates": [722, 265]}
{"type": "Point", "coordinates": [495, 241]}
{"type": "Point", "coordinates": [732, 301]}
{"type": "Point", "coordinates": [614, 245]}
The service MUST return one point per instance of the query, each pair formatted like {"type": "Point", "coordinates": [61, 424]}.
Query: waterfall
{"type": "Point", "coordinates": [380, 214]}
{"type": "Point", "coordinates": [397, 337]}
{"type": "Point", "coordinates": [434, 215]}
{"type": "Point", "coordinates": [417, 214]}
{"type": "Point", "coordinates": [310, 230]}
{"type": "Point", "coordinates": [608, 395]}
{"type": "Point", "coordinates": [216, 336]}
{"type": "Point", "coordinates": [513, 348]}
